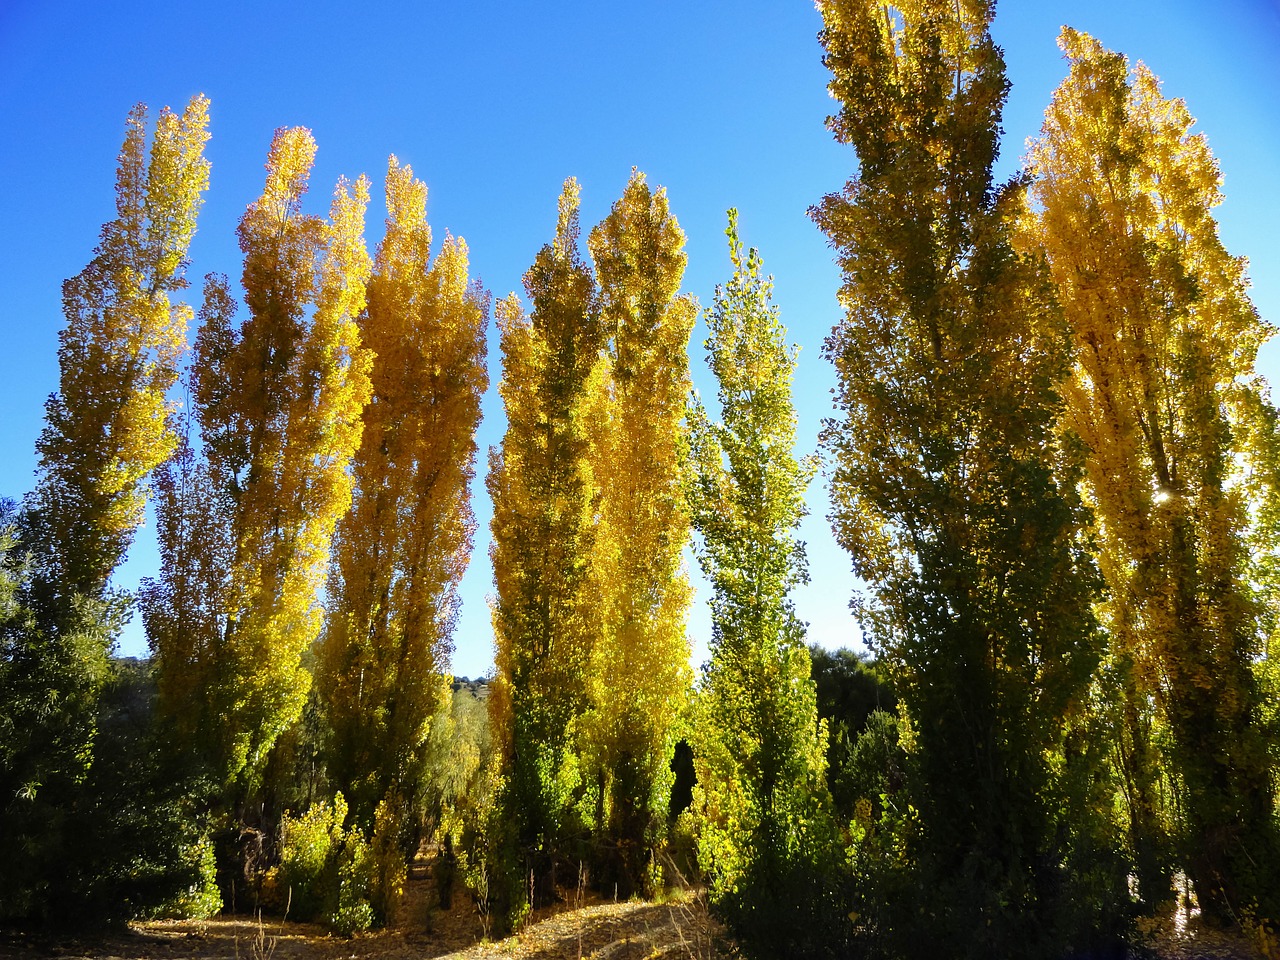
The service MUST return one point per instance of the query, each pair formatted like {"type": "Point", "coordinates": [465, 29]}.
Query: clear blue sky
{"type": "Point", "coordinates": [494, 104]}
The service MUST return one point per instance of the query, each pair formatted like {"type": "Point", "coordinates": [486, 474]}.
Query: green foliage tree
{"type": "Point", "coordinates": [96, 820]}
{"type": "Point", "coordinates": [544, 503]}
{"type": "Point", "coordinates": [64, 767]}
{"type": "Point", "coordinates": [850, 690]}
{"type": "Point", "coordinates": [850, 687]}
{"type": "Point", "coordinates": [464, 775]}
{"type": "Point", "coordinates": [952, 490]}
{"type": "Point", "coordinates": [759, 747]}
{"type": "Point", "coordinates": [53, 671]}
{"type": "Point", "coordinates": [1180, 454]}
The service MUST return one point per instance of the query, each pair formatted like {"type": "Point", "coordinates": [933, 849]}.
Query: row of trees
{"type": "Point", "coordinates": [327, 440]}
{"type": "Point", "coordinates": [339, 416]}
{"type": "Point", "coordinates": [589, 524]}
{"type": "Point", "coordinates": [1053, 465]}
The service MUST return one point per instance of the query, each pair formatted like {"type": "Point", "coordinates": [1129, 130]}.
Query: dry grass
{"type": "Point", "coordinates": [581, 927]}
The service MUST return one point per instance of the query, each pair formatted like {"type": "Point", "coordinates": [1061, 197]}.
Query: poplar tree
{"type": "Point", "coordinates": [950, 488]}
{"type": "Point", "coordinates": [1173, 416]}
{"type": "Point", "coordinates": [247, 531]}
{"type": "Point", "coordinates": [106, 427]}
{"type": "Point", "coordinates": [640, 668]}
{"type": "Point", "coordinates": [401, 551]}
{"type": "Point", "coordinates": [105, 432]}
{"type": "Point", "coordinates": [545, 618]}
{"type": "Point", "coordinates": [759, 750]}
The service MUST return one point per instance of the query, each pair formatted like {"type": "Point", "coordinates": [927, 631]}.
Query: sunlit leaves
{"type": "Point", "coordinates": [118, 354]}
{"type": "Point", "coordinates": [950, 489]}
{"type": "Point", "coordinates": [401, 551]}
{"type": "Point", "coordinates": [640, 664]}
{"type": "Point", "coordinates": [758, 745]}
{"type": "Point", "coordinates": [544, 617]}
{"type": "Point", "coordinates": [1176, 431]}
{"type": "Point", "coordinates": [279, 402]}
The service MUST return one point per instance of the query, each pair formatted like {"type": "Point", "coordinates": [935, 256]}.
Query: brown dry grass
{"type": "Point", "coordinates": [584, 927]}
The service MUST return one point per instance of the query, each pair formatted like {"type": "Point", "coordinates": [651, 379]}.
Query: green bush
{"type": "Point", "coordinates": [333, 874]}
{"type": "Point", "coordinates": [305, 883]}
{"type": "Point", "coordinates": [327, 872]}
{"type": "Point", "coordinates": [201, 899]}
{"type": "Point", "coordinates": [872, 767]}
{"type": "Point", "coordinates": [356, 882]}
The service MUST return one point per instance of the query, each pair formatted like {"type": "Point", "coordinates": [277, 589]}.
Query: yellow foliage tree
{"type": "Point", "coordinates": [118, 354]}
{"type": "Point", "coordinates": [106, 430]}
{"type": "Point", "coordinates": [1174, 419]}
{"type": "Point", "coordinates": [402, 550]}
{"type": "Point", "coordinates": [951, 487]}
{"type": "Point", "coordinates": [640, 669]}
{"type": "Point", "coordinates": [279, 404]}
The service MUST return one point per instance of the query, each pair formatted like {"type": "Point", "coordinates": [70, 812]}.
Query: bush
{"type": "Point", "coordinates": [353, 913]}
{"type": "Point", "coordinates": [333, 875]}
{"type": "Point", "coordinates": [305, 882]}
{"type": "Point", "coordinates": [201, 899]}
{"type": "Point", "coordinates": [872, 767]}
{"type": "Point", "coordinates": [387, 867]}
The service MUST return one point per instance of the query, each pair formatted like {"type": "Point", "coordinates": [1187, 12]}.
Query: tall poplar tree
{"type": "Point", "coordinates": [640, 669]}
{"type": "Point", "coordinates": [1166, 399]}
{"type": "Point", "coordinates": [106, 427]}
{"type": "Point", "coordinates": [403, 548]}
{"type": "Point", "coordinates": [759, 750]}
{"type": "Point", "coordinates": [105, 432]}
{"type": "Point", "coordinates": [950, 489]}
{"type": "Point", "coordinates": [545, 618]}
{"type": "Point", "coordinates": [247, 531]}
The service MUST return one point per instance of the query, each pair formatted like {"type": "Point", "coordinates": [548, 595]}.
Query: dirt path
{"type": "Point", "coordinates": [595, 930]}
{"type": "Point", "coordinates": [610, 931]}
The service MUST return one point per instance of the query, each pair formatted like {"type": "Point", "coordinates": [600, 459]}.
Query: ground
{"type": "Point", "coordinates": [582, 927]}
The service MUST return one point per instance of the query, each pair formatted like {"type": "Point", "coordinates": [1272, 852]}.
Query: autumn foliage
{"type": "Point", "coordinates": [403, 547]}
{"type": "Point", "coordinates": [1165, 398]}
{"type": "Point", "coordinates": [1052, 463]}
{"type": "Point", "coordinates": [279, 402]}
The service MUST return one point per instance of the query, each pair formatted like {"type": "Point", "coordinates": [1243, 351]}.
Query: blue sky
{"type": "Point", "coordinates": [494, 104]}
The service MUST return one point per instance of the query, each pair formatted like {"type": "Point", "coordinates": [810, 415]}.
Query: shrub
{"type": "Point", "coordinates": [304, 883]}
{"type": "Point", "coordinates": [201, 900]}
{"type": "Point", "coordinates": [331, 874]}
{"type": "Point", "coordinates": [353, 913]}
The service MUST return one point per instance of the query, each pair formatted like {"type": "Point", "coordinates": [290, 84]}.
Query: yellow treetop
{"type": "Point", "coordinates": [118, 355]}
{"type": "Point", "coordinates": [640, 673]}
{"type": "Point", "coordinates": [1174, 420]}
{"type": "Point", "coordinates": [544, 513]}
